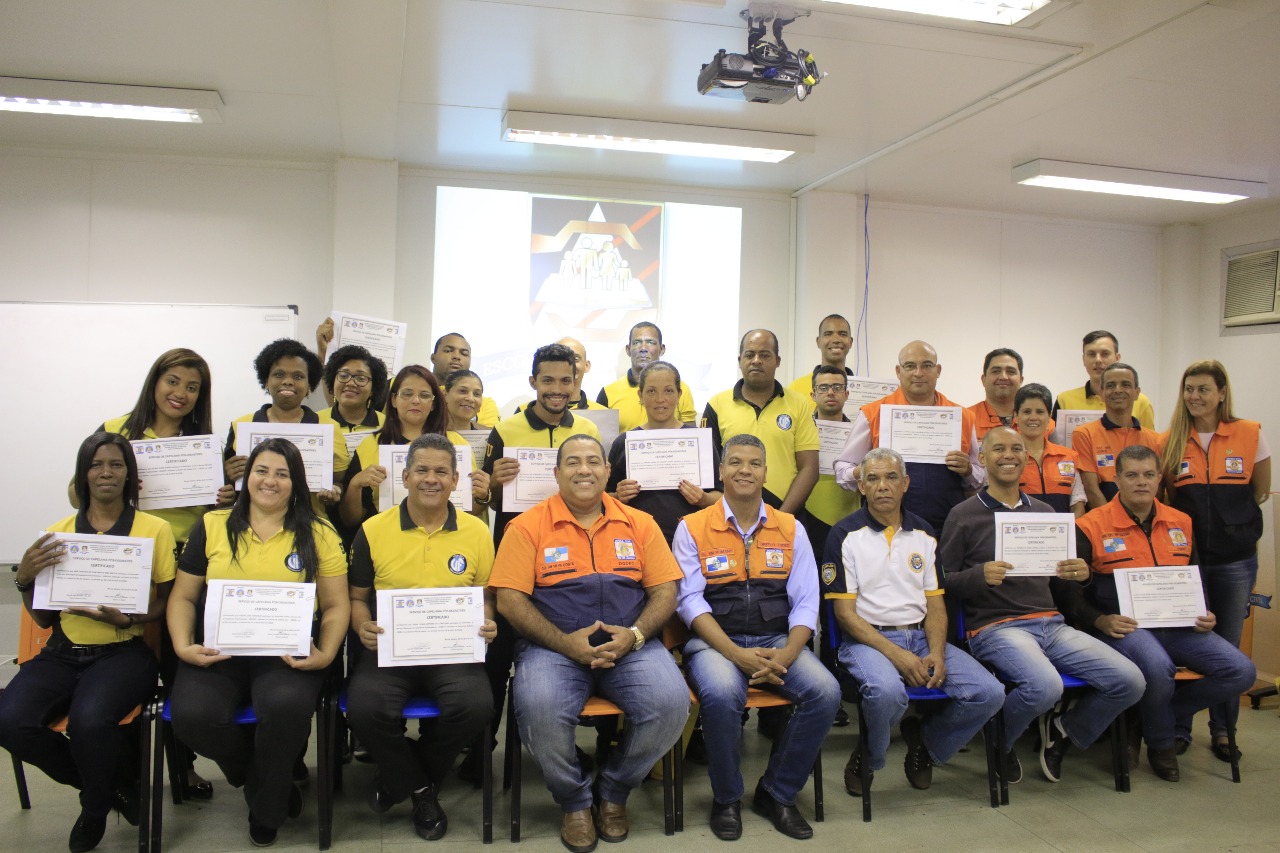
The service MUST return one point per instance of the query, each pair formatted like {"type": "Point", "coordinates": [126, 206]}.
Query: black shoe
{"type": "Point", "coordinates": [918, 765]}
{"type": "Point", "coordinates": [1164, 762]}
{"type": "Point", "coordinates": [125, 800]}
{"type": "Point", "coordinates": [260, 835]}
{"type": "Point", "coordinates": [301, 775]}
{"type": "Point", "coordinates": [785, 819]}
{"type": "Point", "coordinates": [726, 820]}
{"type": "Point", "coordinates": [1181, 745]}
{"type": "Point", "coordinates": [295, 800]}
{"type": "Point", "coordinates": [86, 833]}
{"type": "Point", "coordinates": [842, 718]}
{"type": "Point", "coordinates": [359, 753]}
{"type": "Point", "coordinates": [1221, 750]}
{"type": "Point", "coordinates": [1012, 767]}
{"type": "Point", "coordinates": [379, 800]}
{"type": "Point", "coordinates": [1053, 746]}
{"type": "Point", "coordinates": [197, 787]}
{"type": "Point", "coordinates": [853, 774]}
{"type": "Point", "coordinates": [429, 820]}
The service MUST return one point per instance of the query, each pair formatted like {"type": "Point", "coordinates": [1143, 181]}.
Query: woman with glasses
{"type": "Point", "coordinates": [356, 383]}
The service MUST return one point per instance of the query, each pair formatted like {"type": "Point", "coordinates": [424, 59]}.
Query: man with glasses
{"type": "Point", "coordinates": [834, 340]}
{"type": "Point", "coordinates": [644, 345]}
{"type": "Point", "coordinates": [936, 487]}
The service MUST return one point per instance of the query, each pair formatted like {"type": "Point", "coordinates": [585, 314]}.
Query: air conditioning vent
{"type": "Point", "coordinates": [1252, 288]}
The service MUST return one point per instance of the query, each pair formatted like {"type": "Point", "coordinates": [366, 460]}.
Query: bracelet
{"type": "Point", "coordinates": [24, 587]}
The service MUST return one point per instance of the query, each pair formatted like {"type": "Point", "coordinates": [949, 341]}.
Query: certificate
{"type": "Point", "coordinates": [430, 626]}
{"type": "Point", "coordinates": [606, 420]}
{"type": "Point", "coordinates": [661, 458]}
{"type": "Point", "coordinates": [479, 441]}
{"type": "Point", "coordinates": [921, 433]}
{"type": "Point", "coordinates": [536, 481]}
{"type": "Point", "coordinates": [392, 491]}
{"type": "Point", "coordinates": [1067, 421]}
{"type": "Point", "coordinates": [382, 338]}
{"type": "Point", "coordinates": [832, 437]}
{"type": "Point", "coordinates": [1165, 597]}
{"type": "Point", "coordinates": [863, 390]}
{"type": "Point", "coordinates": [259, 618]}
{"type": "Point", "coordinates": [314, 441]}
{"type": "Point", "coordinates": [178, 472]}
{"type": "Point", "coordinates": [1035, 542]}
{"type": "Point", "coordinates": [114, 571]}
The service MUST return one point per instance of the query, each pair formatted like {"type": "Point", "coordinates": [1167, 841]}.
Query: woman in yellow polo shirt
{"type": "Point", "coordinates": [95, 666]}
{"type": "Point", "coordinates": [271, 533]}
{"type": "Point", "coordinates": [356, 384]}
{"type": "Point", "coordinates": [463, 397]}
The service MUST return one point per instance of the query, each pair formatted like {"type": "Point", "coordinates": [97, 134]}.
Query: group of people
{"type": "Point", "coordinates": [588, 592]}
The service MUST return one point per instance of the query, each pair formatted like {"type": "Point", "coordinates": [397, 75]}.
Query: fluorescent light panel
{"type": "Point", "coordinates": [1085, 177]}
{"type": "Point", "coordinates": [652, 137]}
{"type": "Point", "coordinates": [106, 100]}
{"type": "Point", "coordinates": [1007, 12]}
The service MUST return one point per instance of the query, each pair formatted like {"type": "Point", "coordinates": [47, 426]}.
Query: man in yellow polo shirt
{"type": "Point", "coordinates": [834, 340]}
{"type": "Point", "coordinates": [1101, 350]}
{"type": "Point", "coordinates": [422, 543]}
{"type": "Point", "coordinates": [452, 352]}
{"type": "Point", "coordinates": [644, 345]}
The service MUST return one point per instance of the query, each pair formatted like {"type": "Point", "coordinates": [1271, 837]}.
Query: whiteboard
{"type": "Point", "coordinates": [74, 365]}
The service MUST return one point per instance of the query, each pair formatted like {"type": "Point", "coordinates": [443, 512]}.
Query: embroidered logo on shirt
{"type": "Point", "coordinates": [1106, 460]}
{"type": "Point", "coordinates": [773, 558]}
{"type": "Point", "coordinates": [1235, 464]}
{"type": "Point", "coordinates": [1177, 537]}
{"type": "Point", "coordinates": [718, 563]}
{"type": "Point", "coordinates": [624, 549]}
{"type": "Point", "coordinates": [555, 555]}
{"type": "Point", "coordinates": [293, 562]}
{"type": "Point", "coordinates": [457, 564]}
{"type": "Point", "coordinates": [1184, 468]}
{"type": "Point", "coordinates": [1114, 544]}
{"type": "Point", "coordinates": [828, 573]}
{"type": "Point", "coordinates": [917, 563]}
{"type": "Point", "coordinates": [784, 421]}
{"type": "Point", "coordinates": [1066, 468]}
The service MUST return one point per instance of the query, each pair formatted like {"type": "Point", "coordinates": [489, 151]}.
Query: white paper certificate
{"type": "Point", "coordinates": [430, 626]}
{"type": "Point", "coordinates": [1165, 597]}
{"type": "Point", "coordinates": [314, 441]}
{"type": "Point", "coordinates": [1067, 421]}
{"type": "Point", "coordinates": [259, 618]}
{"type": "Point", "coordinates": [661, 458]}
{"type": "Point", "coordinates": [832, 437]}
{"type": "Point", "coordinates": [382, 338]}
{"type": "Point", "coordinates": [536, 481]}
{"type": "Point", "coordinates": [863, 390]}
{"type": "Point", "coordinates": [1035, 542]}
{"type": "Point", "coordinates": [392, 491]}
{"type": "Point", "coordinates": [606, 420]}
{"type": "Point", "coordinates": [177, 472]}
{"type": "Point", "coordinates": [921, 433]}
{"type": "Point", "coordinates": [479, 441]}
{"type": "Point", "coordinates": [114, 571]}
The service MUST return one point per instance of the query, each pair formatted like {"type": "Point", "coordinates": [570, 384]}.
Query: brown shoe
{"type": "Point", "coordinates": [1164, 762]}
{"type": "Point", "coordinates": [611, 821]}
{"type": "Point", "coordinates": [578, 833]}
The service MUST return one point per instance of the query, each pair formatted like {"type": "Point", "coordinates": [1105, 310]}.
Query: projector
{"type": "Point", "coordinates": [767, 73]}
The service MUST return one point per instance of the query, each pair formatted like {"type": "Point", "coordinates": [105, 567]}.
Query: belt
{"type": "Point", "coordinates": [913, 627]}
{"type": "Point", "coordinates": [65, 646]}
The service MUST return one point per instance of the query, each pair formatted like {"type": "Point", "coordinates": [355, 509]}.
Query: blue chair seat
{"type": "Point", "coordinates": [415, 707]}
{"type": "Point", "coordinates": [243, 717]}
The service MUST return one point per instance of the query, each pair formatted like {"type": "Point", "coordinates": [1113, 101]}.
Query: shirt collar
{"type": "Point", "coordinates": [1107, 423]}
{"type": "Point", "coordinates": [450, 518]}
{"type": "Point", "coordinates": [737, 394]}
{"type": "Point", "coordinates": [370, 418]}
{"type": "Point", "coordinates": [760, 521]}
{"type": "Point", "coordinates": [538, 423]}
{"type": "Point", "coordinates": [997, 505]}
{"type": "Point", "coordinates": [872, 522]}
{"type": "Point", "coordinates": [122, 527]}
{"type": "Point", "coordinates": [308, 416]}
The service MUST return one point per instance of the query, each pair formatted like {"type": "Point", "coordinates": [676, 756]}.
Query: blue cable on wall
{"type": "Point", "coordinates": [862, 341]}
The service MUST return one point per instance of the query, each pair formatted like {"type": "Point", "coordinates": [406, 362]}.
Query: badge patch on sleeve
{"type": "Point", "coordinates": [773, 558]}
{"type": "Point", "coordinates": [1106, 460]}
{"type": "Point", "coordinates": [1235, 464]}
{"type": "Point", "coordinates": [1177, 537]}
{"type": "Point", "coordinates": [917, 563]}
{"type": "Point", "coordinates": [624, 549]}
{"type": "Point", "coordinates": [555, 555]}
{"type": "Point", "coordinates": [718, 563]}
{"type": "Point", "coordinates": [1114, 544]}
{"type": "Point", "coordinates": [784, 421]}
{"type": "Point", "coordinates": [828, 573]}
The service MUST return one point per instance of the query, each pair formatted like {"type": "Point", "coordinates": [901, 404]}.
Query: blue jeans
{"type": "Point", "coordinates": [722, 694]}
{"type": "Point", "coordinates": [550, 690]}
{"type": "Point", "coordinates": [1158, 652]}
{"type": "Point", "coordinates": [1031, 653]}
{"type": "Point", "coordinates": [975, 694]}
{"type": "Point", "coordinates": [1227, 586]}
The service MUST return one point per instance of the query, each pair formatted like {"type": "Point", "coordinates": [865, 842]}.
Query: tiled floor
{"type": "Point", "coordinates": [1204, 812]}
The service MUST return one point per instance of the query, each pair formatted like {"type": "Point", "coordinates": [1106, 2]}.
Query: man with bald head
{"type": "Point", "coordinates": [1014, 624]}
{"type": "Point", "coordinates": [779, 417]}
{"type": "Point", "coordinates": [935, 487]}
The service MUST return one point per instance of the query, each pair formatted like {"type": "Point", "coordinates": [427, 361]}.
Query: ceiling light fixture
{"type": "Point", "coordinates": [108, 100]}
{"type": "Point", "coordinates": [652, 137]}
{"type": "Point", "coordinates": [1006, 12]}
{"type": "Point", "coordinates": [1135, 182]}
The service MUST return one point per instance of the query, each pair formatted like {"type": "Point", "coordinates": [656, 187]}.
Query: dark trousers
{"type": "Point", "coordinates": [376, 699]}
{"type": "Point", "coordinates": [818, 531]}
{"type": "Point", "coordinates": [498, 658]}
{"type": "Point", "coordinates": [94, 690]}
{"type": "Point", "coordinates": [261, 758]}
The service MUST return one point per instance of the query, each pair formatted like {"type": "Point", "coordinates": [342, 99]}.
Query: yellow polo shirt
{"type": "Point", "coordinates": [624, 395]}
{"type": "Point", "coordinates": [208, 553]}
{"type": "Point", "coordinates": [391, 552]}
{"type": "Point", "coordinates": [785, 426]}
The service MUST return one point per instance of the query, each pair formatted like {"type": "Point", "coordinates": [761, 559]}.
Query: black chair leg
{"type": "Point", "coordinates": [991, 734]}
{"type": "Point", "coordinates": [1120, 753]}
{"type": "Point", "coordinates": [162, 736]}
{"type": "Point", "coordinates": [20, 780]}
{"type": "Point", "coordinates": [678, 772]}
{"type": "Point", "coordinates": [514, 748]}
{"type": "Point", "coordinates": [486, 807]}
{"type": "Point", "coordinates": [864, 765]}
{"type": "Point", "coordinates": [145, 788]}
{"type": "Point", "coordinates": [819, 809]}
{"type": "Point", "coordinates": [325, 732]}
{"type": "Point", "coordinates": [1235, 754]}
{"type": "Point", "coordinates": [669, 790]}
{"type": "Point", "coordinates": [177, 764]}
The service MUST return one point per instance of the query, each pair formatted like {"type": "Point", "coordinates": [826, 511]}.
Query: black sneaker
{"type": "Point", "coordinates": [380, 801]}
{"type": "Point", "coordinates": [853, 774]}
{"type": "Point", "coordinates": [86, 833]}
{"type": "Point", "coordinates": [125, 799]}
{"type": "Point", "coordinates": [1012, 767]}
{"type": "Point", "coordinates": [918, 764]}
{"type": "Point", "coordinates": [1053, 746]}
{"type": "Point", "coordinates": [842, 718]}
{"type": "Point", "coordinates": [260, 835]}
{"type": "Point", "coordinates": [429, 820]}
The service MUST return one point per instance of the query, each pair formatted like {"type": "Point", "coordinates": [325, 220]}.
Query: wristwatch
{"type": "Point", "coordinates": [639, 643]}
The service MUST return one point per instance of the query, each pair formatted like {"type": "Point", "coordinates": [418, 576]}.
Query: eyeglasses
{"type": "Point", "coordinates": [409, 396]}
{"type": "Point", "coordinates": [357, 379]}
{"type": "Point", "coordinates": [924, 366]}
{"type": "Point", "coordinates": [827, 389]}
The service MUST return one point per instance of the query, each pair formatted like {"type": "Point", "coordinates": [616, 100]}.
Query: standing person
{"type": "Point", "coordinates": [1001, 379]}
{"type": "Point", "coordinates": [288, 371]}
{"type": "Point", "coordinates": [660, 391]}
{"type": "Point", "coordinates": [750, 596]}
{"type": "Point", "coordinates": [1100, 350]}
{"type": "Point", "coordinates": [644, 345]}
{"type": "Point", "coordinates": [578, 399]}
{"type": "Point", "coordinates": [271, 533]}
{"type": "Point", "coordinates": [95, 667]}
{"type": "Point", "coordinates": [421, 543]}
{"type": "Point", "coordinates": [1098, 444]}
{"type": "Point", "coordinates": [452, 352]}
{"type": "Point", "coordinates": [356, 381]}
{"type": "Point", "coordinates": [463, 398]}
{"type": "Point", "coordinates": [834, 340]}
{"type": "Point", "coordinates": [1051, 474]}
{"type": "Point", "coordinates": [1217, 469]}
{"type": "Point", "coordinates": [586, 582]}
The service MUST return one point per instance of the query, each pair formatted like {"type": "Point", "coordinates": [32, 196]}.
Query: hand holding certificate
{"type": "Point", "coordinates": [382, 338]}
{"type": "Point", "coordinates": [97, 571]}
{"type": "Point", "coordinates": [259, 618]}
{"type": "Point", "coordinates": [921, 433]}
{"type": "Point", "coordinates": [661, 458]}
{"type": "Point", "coordinates": [536, 481]}
{"type": "Point", "coordinates": [1163, 597]}
{"type": "Point", "coordinates": [430, 626]}
{"type": "Point", "coordinates": [178, 472]}
{"type": "Point", "coordinates": [1034, 542]}
{"type": "Point", "coordinates": [832, 437]}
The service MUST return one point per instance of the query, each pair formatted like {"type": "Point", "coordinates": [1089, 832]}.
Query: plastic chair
{"type": "Point", "coordinates": [1184, 674]}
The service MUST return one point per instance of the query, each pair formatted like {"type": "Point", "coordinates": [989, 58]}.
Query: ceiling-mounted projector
{"type": "Point", "coordinates": [767, 73]}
